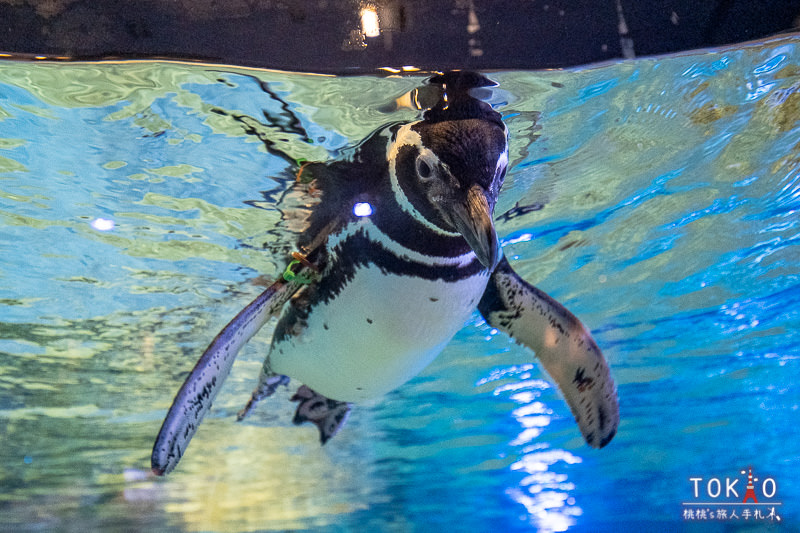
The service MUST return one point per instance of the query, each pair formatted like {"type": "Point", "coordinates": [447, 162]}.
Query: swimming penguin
{"type": "Point", "coordinates": [398, 251]}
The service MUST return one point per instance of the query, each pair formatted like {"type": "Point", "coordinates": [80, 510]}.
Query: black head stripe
{"type": "Point", "coordinates": [359, 251]}
{"type": "Point", "coordinates": [412, 187]}
{"type": "Point", "coordinates": [408, 232]}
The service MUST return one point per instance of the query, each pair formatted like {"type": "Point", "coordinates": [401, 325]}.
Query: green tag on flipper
{"type": "Point", "coordinates": [303, 277]}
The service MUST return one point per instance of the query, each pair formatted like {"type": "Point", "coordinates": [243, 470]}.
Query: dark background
{"type": "Point", "coordinates": [325, 36]}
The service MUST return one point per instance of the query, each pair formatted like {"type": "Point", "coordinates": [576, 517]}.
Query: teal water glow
{"type": "Point", "coordinates": [657, 199]}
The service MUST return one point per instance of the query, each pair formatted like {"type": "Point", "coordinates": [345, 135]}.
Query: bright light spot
{"type": "Point", "coordinates": [473, 25]}
{"type": "Point", "coordinates": [544, 492]}
{"type": "Point", "coordinates": [535, 408]}
{"type": "Point", "coordinates": [102, 224]}
{"type": "Point", "coordinates": [526, 436]}
{"type": "Point", "coordinates": [538, 421]}
{"type": "Point", "coordinates": [525, 237]}
{"type": "Point", "coordinates": [362, 209]}
{"type": "Point", "coordinates": [524, 397]}
{"type": "Point", "coordinates": [134, 474]}
{"type": "Point", "coordinates": [369, 22]}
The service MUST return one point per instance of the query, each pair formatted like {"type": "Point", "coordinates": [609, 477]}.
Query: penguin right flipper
{"type": "Point", "coordinates": [562, 344]}
{"type": "Point", "coordinates": [204, 382]}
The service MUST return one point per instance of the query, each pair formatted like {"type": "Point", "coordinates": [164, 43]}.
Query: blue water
{"type": "Point", "coordinates": [657, 199]}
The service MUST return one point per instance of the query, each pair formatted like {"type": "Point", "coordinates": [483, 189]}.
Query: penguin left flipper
{"type": "Point", "coordinates": [205, 380]}
{"type": "Point", "coordinates": [562, 344]}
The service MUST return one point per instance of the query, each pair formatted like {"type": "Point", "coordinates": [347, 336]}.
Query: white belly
{"type": "Point", "coordinates": [378, 333]}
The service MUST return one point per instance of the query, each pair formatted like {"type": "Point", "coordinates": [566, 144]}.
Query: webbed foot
{"type": "Point", "coordinates": [328, 415]}
{"type": "Point", "coordinates": [267, 385]}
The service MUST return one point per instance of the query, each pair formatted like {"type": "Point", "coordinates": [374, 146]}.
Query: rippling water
{"type": "Point", "coordinates": [658, 199]}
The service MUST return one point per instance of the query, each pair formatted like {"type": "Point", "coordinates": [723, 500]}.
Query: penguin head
{"type": "Point", "coordinates": [450, 165]}
{"type": "Point", "coordinates": [450, 172]}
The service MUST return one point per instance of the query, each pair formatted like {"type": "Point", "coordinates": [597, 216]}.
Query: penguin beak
{"type": "Point", "coordinates": [473, 219]}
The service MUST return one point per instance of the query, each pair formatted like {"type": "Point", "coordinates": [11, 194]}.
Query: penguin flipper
{"type": "Point", "coordinates": [204, 382]}
{"type": "Point", "coordinates": [562, 344]}
{"type": "Point", "coordinates": [328, 415]}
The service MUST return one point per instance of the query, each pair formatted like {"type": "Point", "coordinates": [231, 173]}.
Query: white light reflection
{"type": "Point", "coordinates": [758, 89]}
{"type": "Point", "coordinates": [545, 494]}
{"type": "Point", "coordinates": [102, 224]}
{"type": "Point", "coordinates": [545, 490]}
{"type": "Point", "coordinates": [404, 68]}
{"type": "Point", "coordinates": [362, 209]}
{"type": "Point", "coordinates": [525, 237]}
{"type": "Point", "coordinates": [502, 373]}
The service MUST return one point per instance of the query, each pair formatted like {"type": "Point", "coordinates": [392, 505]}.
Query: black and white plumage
{"type": "Point", "coordinates": [401, 249]}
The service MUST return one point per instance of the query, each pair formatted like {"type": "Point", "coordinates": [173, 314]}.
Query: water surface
{"type": "Point", "coordinates": [658, 199]}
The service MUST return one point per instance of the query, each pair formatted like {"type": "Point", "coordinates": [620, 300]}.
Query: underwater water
{"type": "Point", "coordinates": [658, 199]}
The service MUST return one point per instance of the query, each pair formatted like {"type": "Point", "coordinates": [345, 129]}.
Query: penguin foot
{"type": "Point", "coordinates": [267, 386]}
{"type": "Point", "coordinates": [328, 415]}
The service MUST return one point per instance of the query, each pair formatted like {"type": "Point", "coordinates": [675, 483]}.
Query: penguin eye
{"type": "Point", "coordinates": [424, 170]}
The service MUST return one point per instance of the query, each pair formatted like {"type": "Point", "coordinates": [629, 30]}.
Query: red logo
{"type": "Point", "coordinates": [750, 492]}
